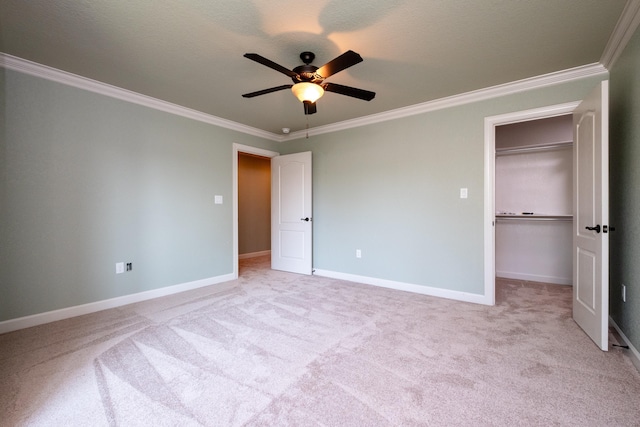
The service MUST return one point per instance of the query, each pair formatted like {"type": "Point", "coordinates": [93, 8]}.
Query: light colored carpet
{"type": "Point", "coordinates": [274, 349]}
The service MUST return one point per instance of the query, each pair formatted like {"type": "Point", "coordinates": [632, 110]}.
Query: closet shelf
{"type": "Point", "coordinates": [534, 148]}
{"type": "Point", "coordinates": [534, 217]}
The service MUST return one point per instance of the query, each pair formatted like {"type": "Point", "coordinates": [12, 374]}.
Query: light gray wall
{"type": "Point", "coordinates": [254, 204]}
{"type": "Point", "coordinates": [624, 149]}
{"type": "Point", "coordinates": [392, 190]}
{"type": "Point", "coordinates": [87, 181]}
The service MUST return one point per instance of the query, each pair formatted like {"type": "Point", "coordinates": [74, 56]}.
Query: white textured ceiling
{"type": "Point", "coordinates": [190, 52]}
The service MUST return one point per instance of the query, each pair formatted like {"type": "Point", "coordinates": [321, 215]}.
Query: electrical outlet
{"type": "Point", "coordinates": [358, 253]}
{"type": "Point", "coordinates": [624, 293]}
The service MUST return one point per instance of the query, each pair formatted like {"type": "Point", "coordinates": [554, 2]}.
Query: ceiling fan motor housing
{"type": "Point", "coordinates": [307, 73]}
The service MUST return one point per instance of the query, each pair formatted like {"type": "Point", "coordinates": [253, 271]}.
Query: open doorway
{"type": "Point", "coordinates": [534, 213]}
{"type": "Point", "coordinates": [491, 125]}
{"type": "Point", "coordinates": [534, 200]}
{"type": "Point", "coordinates": [254, 206]}
{"type": "Point", "coordinates": [251, 153]}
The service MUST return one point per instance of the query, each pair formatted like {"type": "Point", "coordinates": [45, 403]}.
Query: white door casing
{"type": "Point", "coordinates": [591, 215]}
{"type": "Point", "coordinates": [291, 215]}
{"type": "Point", "coordinates": [490, 124]}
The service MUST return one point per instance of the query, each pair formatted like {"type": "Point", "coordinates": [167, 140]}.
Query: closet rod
{"type": "Point", "coordinates": [534, 218]}
{"type": "Point", "coordinates": [533, 148]}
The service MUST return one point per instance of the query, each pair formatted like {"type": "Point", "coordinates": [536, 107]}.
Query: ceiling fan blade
{"type": "Point", "coordinates": [265, 91]}
{"type": "Point", "coordinates": [309, 107]}
{"type": "Point", "coordinates": [343, 61]}
{"type": "Point", "coordinates": [264, 61]}
{"type": "Point", "coordinates": [349, 91]}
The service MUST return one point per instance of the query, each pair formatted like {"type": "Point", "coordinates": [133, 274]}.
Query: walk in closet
{"type": "Point", "coordinates": [533, 200]}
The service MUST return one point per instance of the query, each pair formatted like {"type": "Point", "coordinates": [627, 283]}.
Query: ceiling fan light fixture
{"type": "Point", "coordinates": [306, 91]}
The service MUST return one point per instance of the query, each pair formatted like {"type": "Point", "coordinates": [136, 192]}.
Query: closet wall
{"type": "Point", "coordinates": [534, 170]}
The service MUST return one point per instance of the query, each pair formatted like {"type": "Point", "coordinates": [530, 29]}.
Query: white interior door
{"type": "Point", "coordinates": [591, 210]}
{"type": "Point", "coordinates": [291, 227]}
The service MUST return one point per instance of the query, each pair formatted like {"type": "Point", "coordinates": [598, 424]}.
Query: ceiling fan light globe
{"type": "Point", "coordinates": [306, 91]}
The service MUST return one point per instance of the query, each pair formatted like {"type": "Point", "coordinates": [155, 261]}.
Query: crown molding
{"type": "Point", "coordinates": [64, 77]}
{"type": "Point", "coordinates": [624, 30]}
{"type": "Point", "coordinates": [49, 73]}
{"type": "Point", "coordinates": [544, 80]}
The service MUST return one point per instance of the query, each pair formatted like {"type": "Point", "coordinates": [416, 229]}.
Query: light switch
{"type": "Point", "coordinates": [217, 200]}
{"type": "Point", "coordinates": [464, 192]}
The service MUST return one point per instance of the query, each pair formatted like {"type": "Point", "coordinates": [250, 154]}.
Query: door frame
{"type": "Point", "coordinates": [490, 124]}
{"type": "Point", "coordinates": [236, 149]}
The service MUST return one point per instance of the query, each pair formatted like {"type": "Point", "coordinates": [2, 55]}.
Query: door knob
{"type": "Point", "coordinates": [305, 219]}
{"type": "Point", "coordinates": [596, 228]}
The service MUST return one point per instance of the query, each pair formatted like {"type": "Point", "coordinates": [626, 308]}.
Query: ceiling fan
{"type": "Point", "coordinates": [308, 80]}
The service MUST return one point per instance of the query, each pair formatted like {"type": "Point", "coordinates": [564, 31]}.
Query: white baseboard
{"type": "Point", "coordinates": [534, 278]}
{"type": "Point", "coordinates": [408, 287]}
{"type": "Point", "coordinates": [254, 254]}
{"type": "Point", "coordinates": [79, 310]}
{"type": "Point", "coordinates": [634, 355]}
